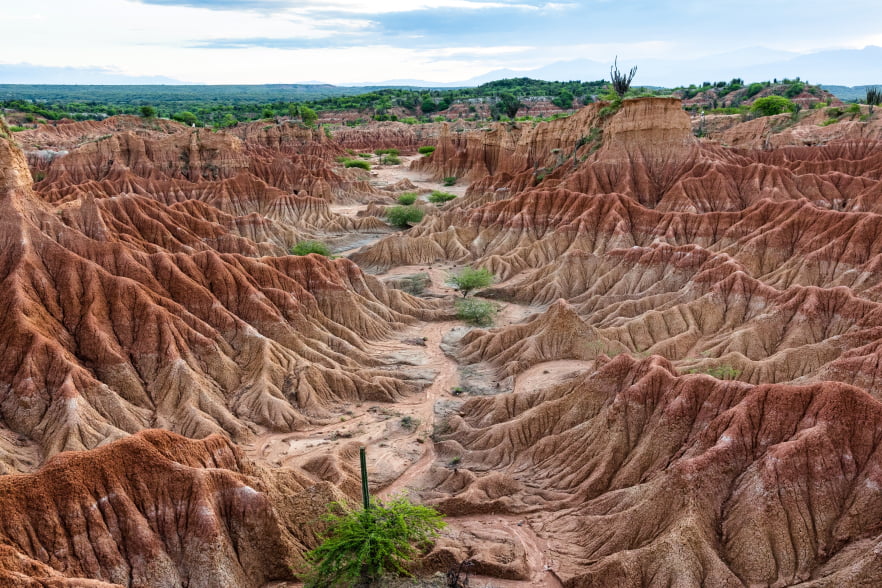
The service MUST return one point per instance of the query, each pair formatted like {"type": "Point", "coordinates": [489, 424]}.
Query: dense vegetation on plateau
{"type": "Point", "coordinates": [226, 105]}
{"type": "Point", "coordinates": [222, 106]}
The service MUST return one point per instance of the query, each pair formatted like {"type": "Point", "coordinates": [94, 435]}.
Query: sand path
{"type": "Point", "coordinates": [399, 455]}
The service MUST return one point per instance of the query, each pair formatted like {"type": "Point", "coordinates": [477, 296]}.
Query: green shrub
{"type": "Point", "coordinates": [754, 89]}
{"type": "Point", "coordinates": [387, 152]}
{"type": "Point", "coordinates": [610, 109]}
{"type": "Point", "coordinates": [404, 216]}
{"type": "Point", "coordinates": [365, 155]}
{"type": "Point", "coordinates": [410, 120]}
{"type": "Point", "coordinates": [426, 149]}
{"type": "Point", "coordinates": [771, 105]}
{"type": "Point", "coordinates": [476, 312]}
{"type": "Point", "coordinates": [361, 546]}
{"type": "Point", "coordinates": [794, 89]}
{"type": "Point", "coordinates": [469, 278]}
{"type": "Point", "coordinates": [390, 160]}
{"type": "Point", "coordinates": [449, 180]}
{"type": "Point", "coordinates": [437, 197]}
{"type": "Point", "coordinates": [854, 109]}
{"type": "Point", "coordinates": [357, 163]}
{"type": "Point", "coordinates": [228, 121]}
{"type": "Point", "coordinates": [16, 128]}
{"type": "Point", "coordinates": [307, 247]}
{"type": "Point", "coordinates": [829, 121]}
{"type": "Point", "coordinates": [407, 198]}
{"type": "Point", "coordinates": [308, 116]}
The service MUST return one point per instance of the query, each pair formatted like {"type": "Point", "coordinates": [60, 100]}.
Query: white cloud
{"type": "Point", "coordinates": [467, 51]}
{"type": "Point", "coordinates": [389, 6]}
{"type": "Point", "coordinates": [139, 38]}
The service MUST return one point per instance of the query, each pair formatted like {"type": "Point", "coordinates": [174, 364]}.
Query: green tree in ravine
{"type": "Point", "coordinates": [509, 104]}
{"type": "Point", "coordinates": [308, 116]}
{"type": "Point", "coordinates": [186, 117]}
{"type": "Point", "coordinates": [469, 278]}
{"type": "Point", "coordinates": [148, 111]}
{"type": "Point", "coordinates": [228, 121]}
{"type": "Point", "coordinates": [564, 100]}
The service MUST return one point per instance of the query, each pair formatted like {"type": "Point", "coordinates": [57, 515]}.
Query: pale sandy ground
{"type": "Point", "coordinates": [398, 455]}
{"type": "Point", "coordinates": [389, 174]}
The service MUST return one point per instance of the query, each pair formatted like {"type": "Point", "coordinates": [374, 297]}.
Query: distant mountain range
{"type": "Point", "coordinates": [848, 93]}
{"type": "Point", "coordinates": [25, 73]}
{"type": "Point", "coordinates": [847, 67]}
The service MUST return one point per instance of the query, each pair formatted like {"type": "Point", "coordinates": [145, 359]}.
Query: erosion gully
{"type": "Point", "coordinates": [400, 450]}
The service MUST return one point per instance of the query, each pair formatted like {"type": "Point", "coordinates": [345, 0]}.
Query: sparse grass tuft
{"type": "Point", "coordinates": [438, 197]}
{"type": "Point", "coordinates": [407, 198]}
{"type": "Point", "coordinates": [307, 247]}
{"type": "Point", "coordinates": [357, 163]}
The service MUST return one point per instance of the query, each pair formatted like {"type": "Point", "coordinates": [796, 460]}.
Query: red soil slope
{"type": "Point", "coordinates": [156, 509]}
{"type": "Point", "coordinates": [124, 313]}
{"type": "Point", "coordinates": [638, 477]}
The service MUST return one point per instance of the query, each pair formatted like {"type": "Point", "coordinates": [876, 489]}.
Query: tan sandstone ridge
{"type": "Point", "coordinates": [638, 477]}
{"type": "Point", "coordinates": [156, 509]}
{"type": "Point", "coordinates": [124, 313]}
{"type": "Point", "coordinates": [771, 269]}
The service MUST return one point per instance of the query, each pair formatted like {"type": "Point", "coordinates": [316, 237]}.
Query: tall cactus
{"type": "Point", "coordinates": [365, 493]}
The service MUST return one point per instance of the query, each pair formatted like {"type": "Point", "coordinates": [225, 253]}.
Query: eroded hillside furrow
{"type": "Point", "coordinates": [635, 459]}
{"type": "Point", "coordinates": [682, 385]}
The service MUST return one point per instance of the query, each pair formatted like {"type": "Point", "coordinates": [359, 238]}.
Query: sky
{"type": "Point", "coordinates": [351, 41]}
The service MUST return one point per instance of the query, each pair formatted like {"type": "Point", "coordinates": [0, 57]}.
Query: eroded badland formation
{"type": "Point", "coordinates": [684, 386]}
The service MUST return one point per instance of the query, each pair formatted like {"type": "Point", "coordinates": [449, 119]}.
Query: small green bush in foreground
{"type": "Point", "coordinates": [361, 546]}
